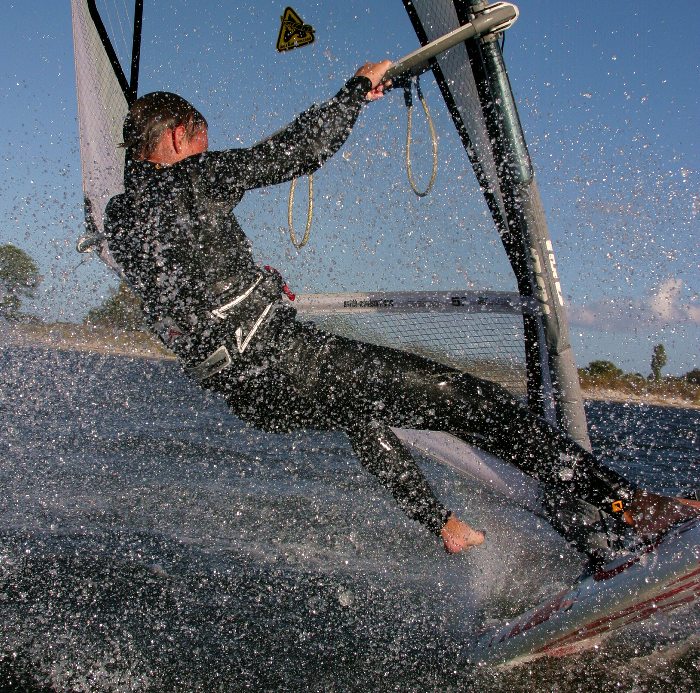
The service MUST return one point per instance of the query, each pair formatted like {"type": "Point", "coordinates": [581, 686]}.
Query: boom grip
{"type": "Point", "coordinates": [490, 20]}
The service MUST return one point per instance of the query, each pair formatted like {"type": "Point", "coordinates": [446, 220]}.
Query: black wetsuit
{"type": "Point", "coordinates": [182, 250]}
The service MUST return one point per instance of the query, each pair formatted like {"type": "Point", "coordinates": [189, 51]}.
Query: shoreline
{"type": "Point", "coordinates": [618, 396]}
{"type": "Point", "coordinates": [84, 338]}
{"type": "Point", "coordinates": [116, 342]}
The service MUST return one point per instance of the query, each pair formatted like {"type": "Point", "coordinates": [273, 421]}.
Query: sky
{"type": "Point", "coordinates": [608, 98]}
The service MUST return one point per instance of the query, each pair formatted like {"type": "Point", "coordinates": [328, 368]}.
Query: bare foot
{"type": "Point", "coordinates": [651, 514]}
{"type": "Point", "coordinates": [458, 536]}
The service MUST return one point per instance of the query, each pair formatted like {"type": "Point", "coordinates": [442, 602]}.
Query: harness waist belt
{"type": "Point", "coordinates": [222, 311]}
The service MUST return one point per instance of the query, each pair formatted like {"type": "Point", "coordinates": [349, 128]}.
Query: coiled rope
{"type": "Point", "coordinates": [298, 244]}
{"type": "Point", "coordinates": [433, 136]}
{"type": "Point", "coordinates": [309, 214]}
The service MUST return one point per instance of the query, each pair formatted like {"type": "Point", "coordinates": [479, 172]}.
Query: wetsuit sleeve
{"type": "Point", "coordinates": [299, 149]}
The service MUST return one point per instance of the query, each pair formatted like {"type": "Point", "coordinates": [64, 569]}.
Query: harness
{"type": "Point", "coordinates": [255, 303]}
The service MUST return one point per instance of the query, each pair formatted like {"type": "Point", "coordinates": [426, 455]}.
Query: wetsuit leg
{"type": "Point", "coordinates": [355, 383]}
{"type": "Point", "coordinates": [408, 391]}
{"type": "Point", "coordinates": [381, 452]}
{"type": "Point", "coordinates": [495, 421]}
{"type": "Point", "coordinates": [308, 386]}
{"type": "Point", "coordinates": [582, 499]}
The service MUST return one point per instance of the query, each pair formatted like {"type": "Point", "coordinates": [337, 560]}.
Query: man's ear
{"type": "Point", "coordinates": [179, 137]}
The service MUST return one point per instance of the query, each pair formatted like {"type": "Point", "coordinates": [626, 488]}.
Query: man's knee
{"type": "Point", "coordinates": [379, 449]}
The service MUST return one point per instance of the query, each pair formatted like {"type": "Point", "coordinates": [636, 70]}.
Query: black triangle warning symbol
{"type": "Point", "coordinates": [293, 32]}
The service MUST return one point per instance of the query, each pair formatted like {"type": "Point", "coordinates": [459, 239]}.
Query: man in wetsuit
{"type": "Point", "coordinates": [233, 325]}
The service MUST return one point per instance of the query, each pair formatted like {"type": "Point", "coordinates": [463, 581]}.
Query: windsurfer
{"type": "Point", "coordinates": [233, 325]}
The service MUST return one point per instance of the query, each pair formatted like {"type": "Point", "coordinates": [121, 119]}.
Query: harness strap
{"type": "Point", "coordinates": [433, 136]}
{"type": "Point", "coordinates": [222, 311]}
{"type": "Point", "coordinates": [309, 214]}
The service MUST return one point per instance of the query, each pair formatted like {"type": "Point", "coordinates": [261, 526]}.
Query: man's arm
{"type": "Point", "coordinates": [303, 146]}
{"type": "Point", "coordinates": [311, 139]}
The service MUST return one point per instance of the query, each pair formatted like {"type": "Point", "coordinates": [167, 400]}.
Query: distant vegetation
{"type": "Point", "coordinates": [19, 280]}
{"type": "Point", "coordinates": [658, 361]}
{"type": "Point", "coordinates": [606, 375]}
{"type": "Point", "coordinates": [121, 310]}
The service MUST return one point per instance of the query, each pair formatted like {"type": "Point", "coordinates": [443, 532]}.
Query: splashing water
{"type": "Point", "coordinates": [152, 542]}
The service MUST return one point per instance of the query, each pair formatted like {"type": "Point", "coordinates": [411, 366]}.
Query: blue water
{"type": "Point", "coordinates": [151, 542]}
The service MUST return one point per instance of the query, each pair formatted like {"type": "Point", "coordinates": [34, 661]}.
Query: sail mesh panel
{"type": "Point", "coordinates": [432, 19]}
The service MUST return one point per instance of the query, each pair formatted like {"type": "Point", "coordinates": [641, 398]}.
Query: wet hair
{"type": "Point", "coordinates": [151, 115]}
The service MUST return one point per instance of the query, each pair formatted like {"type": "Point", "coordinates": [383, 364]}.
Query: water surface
{"type": "Point", "coordinates": [149, 541]}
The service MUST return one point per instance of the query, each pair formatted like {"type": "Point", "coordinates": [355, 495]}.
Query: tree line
{"type": "Point", "coordinates": [20, 280]}
{"type": "Point", "coordinates": [601, 372]}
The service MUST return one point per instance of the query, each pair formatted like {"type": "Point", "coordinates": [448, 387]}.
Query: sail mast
{"type": "Point", "coordinates": [474, 84]}
{"type": "Point", "coordinates": [534, 262]}
{"type": "Point", "coordinates": [135, 53]}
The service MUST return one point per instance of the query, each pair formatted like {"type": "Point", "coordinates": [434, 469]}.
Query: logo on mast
{"type": "Point", "coordinates": [293, 32]}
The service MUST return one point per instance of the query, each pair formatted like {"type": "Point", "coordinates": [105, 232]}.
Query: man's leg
{"type": "Point", "coordinates": [362, 381]}
{"type": "Point", "coordinates": [384, 455]}
{"type": "Point", "coordinates": [588, 503]}
{"type": "Point", "coordinates": [400, 389]}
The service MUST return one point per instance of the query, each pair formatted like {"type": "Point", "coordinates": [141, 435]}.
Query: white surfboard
{"type": "Point", "coordinates": [657, 579]}
{"type": "Point", "coordinates": [624, 592]}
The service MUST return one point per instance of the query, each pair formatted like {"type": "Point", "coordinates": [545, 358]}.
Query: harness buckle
{"type": "Point", "coordinates": [216, 362]}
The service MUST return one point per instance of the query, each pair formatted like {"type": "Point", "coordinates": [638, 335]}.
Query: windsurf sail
{"type": "Point", "coordinates": [104, 94]}
{"type": "Point", "coordinates": [474, 84]}
{"type": "Point", "coordinates": [531, 341]}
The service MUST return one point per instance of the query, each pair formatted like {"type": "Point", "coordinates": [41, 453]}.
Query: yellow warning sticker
{"type": "Point", "coordinates": [293, 32]}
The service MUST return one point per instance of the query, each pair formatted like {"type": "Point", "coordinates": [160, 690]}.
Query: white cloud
{"type": "Point", "coordinates": [665, 306]}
